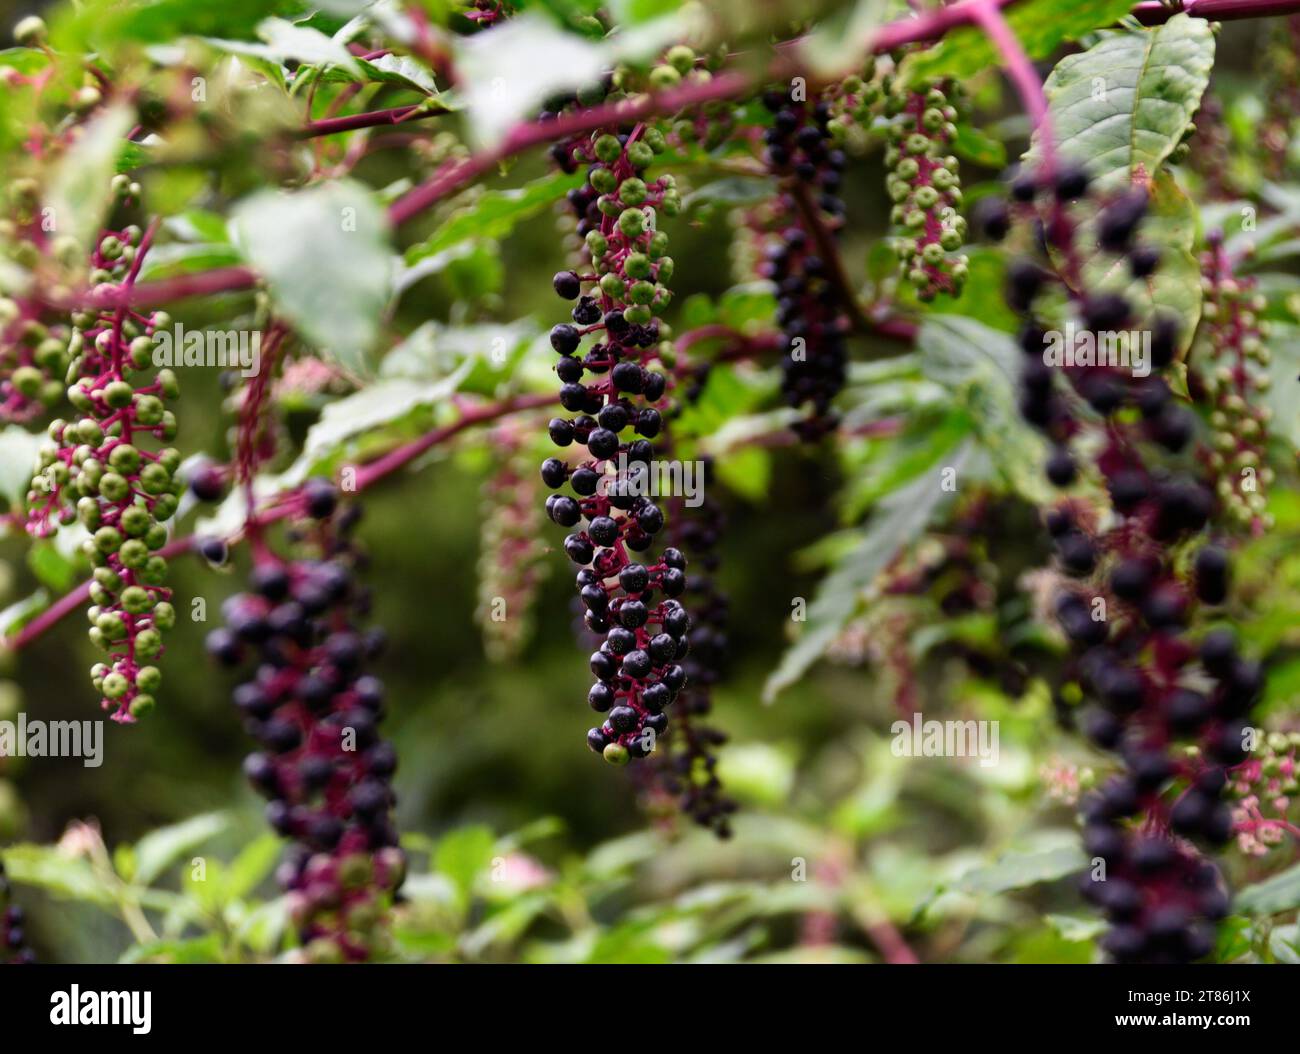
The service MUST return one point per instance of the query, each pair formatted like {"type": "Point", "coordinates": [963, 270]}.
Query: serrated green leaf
{"type": "Point", "coordinates": [1123, 105]}
{"type": "Point", "coordinates": [325, 254]}
{"type": "Point", "coordinates": [1041, 26]}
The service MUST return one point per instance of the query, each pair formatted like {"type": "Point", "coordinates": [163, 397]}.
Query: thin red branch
{"type": "Point", "coordinates": [371, 119]}
{"type": "Point", "coordinates": [1154, 12]}
{"type": "Point", "coordinates": [988, 14]}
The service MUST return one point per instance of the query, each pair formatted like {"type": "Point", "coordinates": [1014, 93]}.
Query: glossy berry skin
{"type": "Point", "coordinates": [13, 936]}
{"type": "Point", "coordinates": [1129, 608]}
{"type": "Point", "coordinates": [811, 318]}
{"type": "Point", "coordinates": [615, 395]}
{"type": "Point", "coordinates": [314, 711]}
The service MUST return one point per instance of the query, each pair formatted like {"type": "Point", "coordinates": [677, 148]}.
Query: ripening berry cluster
{"type": "Point", "coordinates": [688, 770]}
{"type": "Point", "coordinates": [812, 320]}
{"type": "Point", "coordinates": [1263, 790]}
{"type": "Point", "coordinates": [98, 469]}
{"type": "Point", "coordinates": [1139, 570]}
{"type": "Point", "coordinates": [512, 555]}
{"type": "Point", "coordinates": [612, 389]}
{"type": "Point", "coordinates": [925, 188]}
{"type": "Point", "coordinates": [1233, 377]}
{"type": "Point", "coordinates": [315, 711]}
{"type": "Point", "coordinates": [13, 938]}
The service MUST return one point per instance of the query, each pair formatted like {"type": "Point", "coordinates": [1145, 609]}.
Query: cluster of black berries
{"type": "Point", "coordinates": [1127, 614]}
{"type": "Point", "coordinates": [809, 312]}
{"type": "Point", "coordinates": [613, 390]}
{"type": "Point", "coordinates": [13, 938]}
{"type": "Point", "coordinates": [315, 712]}
{"type": "Point", "coordinates": [688, 772]}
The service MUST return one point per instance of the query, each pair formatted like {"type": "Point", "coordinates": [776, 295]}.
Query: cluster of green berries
{"type": "Point", "coordinates": [97, 470]}
{"type": "Point", "coordinates": [1263, 789]}
{"type": "Point", "coordinates": [1234, 376]}
{"type": "Point", "coordinates": [925, 188]}
{"type": "Point", "coordinates": [853, 103]}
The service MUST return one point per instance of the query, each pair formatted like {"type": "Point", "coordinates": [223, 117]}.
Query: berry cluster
{"type": "Point", "coordinates": [512, 562]}
{"type": "Point", "coordinates": [925, 188]}
{"type": "Point", "coordinates": [1263, 789]}
{"type": "Point", "coordinates": [799, 151]}
{"type": "Point", "coordinates": [1234, 345]}
{"type": "Point", "coordinates": [688, 771]}
{"type": "Point", "coordinates": [96, 470]}
{"type": "Point", "coordinates": [616, 300]}
{"type": "Point", "coordinates": [315, 712]}
{"type": "Point", "coordinates": [13, 938]}
{"type": "Point", "coordinates": [1138, 575]}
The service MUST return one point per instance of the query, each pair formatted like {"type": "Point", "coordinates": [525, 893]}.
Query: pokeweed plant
{"type": "Point", "coordinates": [1041, 474]}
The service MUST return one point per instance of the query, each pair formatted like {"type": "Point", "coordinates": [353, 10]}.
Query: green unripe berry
{"type": "Point", "coordinates": [680, 57]}
{"type": "Point", "coordinates": [88, 513]}
{"type": "Point", "coordinates": [602, 179]}
{"type": "Point", "coordinates": [168, 384]}
{"type": "Point", "coordinates": [148, 679]}
{"type": "Point", "coordinates": [133, 553]}
{"type": "Point", "coordinates": [111, 625]}
{"type": "Point", "coordinates": [932, 254]}
{"type": "Point", "coordinates": [154, 572]}
{"type": "Point", "coordinates": [608, 149]}
{"type": "Point", "coordinates": [666, 268]}
{"type": "Point", "coordinates": [664, 77]}
{"type": "Point", "coordinates": [148, 643]}
{"type": "Point", "coordinates": [632, 191]}
{"type": "Point", "coordinates": [118, 394]}
{"type": "Point", "coordinates": [28, 380]}
{"type": "Point", "coordinates": [154, 478]}
{"type": "Point", "coordinates": [638, 314]}
{"type": "Point", "coordinates": [658, 245]}
{"type": "Point", "coordinates": [156, 536]}
{"type": "Point", "coordinates": [950, 240]}
{"type": "Point", "coordinates": [641, 292]}
{"type": "Point", "coordinates": [632, 222]}
{"type": "Point", "coordinates": [654, 139]}
{"type": "Point", "coordinates": [164, 615]}
{"type": "Point", "coordinates": [612, 286]}
{"type": "Point", "coordinates": [135, 520]}
{"type": "Point", "coordinates": [637, 265]}
{"type": "Point", "coordinates": [115, 685]}
{"type": "Point", "coordinates": [136, 600]}
{"type": "Point", "coordinates": [926, 197]}
{"type": "Point", "coordinates": [149, 410]}
{"type": "Point", "coordinates": [615, 754]}
{"type": "Point", "coordinates": [142, 704]}
{"type": "Point", "coordinates": [108, 539]}
{"type": "Point", "coordinates": [124, 458]}
{"type": "Point", "coordinates": [639, 155]}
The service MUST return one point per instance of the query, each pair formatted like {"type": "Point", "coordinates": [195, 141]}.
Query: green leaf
{"type": "Point", "coordinates": [253, 864]}
{"type": "Point", "coordinates": [1124, 104]}
{"type": "Point", "coordinates": [464, 854]}
{"type": "Point", "coordinates": [206, 949]}
{"type": "Point", "coordinates": [14, 617]}
{"type": "Point", "coordinates": [973, 145]}
{"type": "Point", "coordinates": [494, 214]}
{"type": "Point", "coordinates": [325, 254]}
{"type": "Point", "coordinates": [18, 450]}
{"type": "Point", "coordinates": [70, 877]}
{"type": "Point", "coordinates": [159, 849]}
{"type": "Point", "coordinates": [747, 471]}
{"type": "Point", "coordinates": [1277, 893]}
{"type": "Point", "coordinates": [979, 366]}
{"type": "Point", "coordinates": [1018, 870]}
{"type": "Point", "coordinates": [1041, 25]}
{"type": "Point", "coordinates": [897, 521]}
{"type": "Point", "coordinates": [286, 42]}
{"type": "Point", "coordinates": [80, 191]}
{"type": "Point", "coordinates": [52, 567]}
